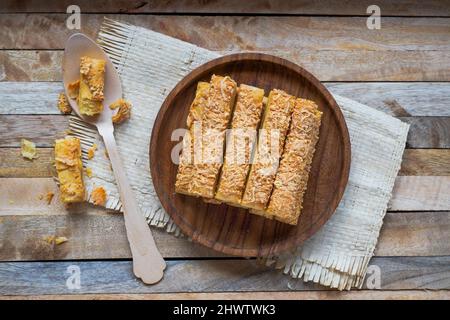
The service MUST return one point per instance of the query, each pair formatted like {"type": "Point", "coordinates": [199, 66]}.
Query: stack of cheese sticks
{"type": "Point", "coordinates": [249, 151]}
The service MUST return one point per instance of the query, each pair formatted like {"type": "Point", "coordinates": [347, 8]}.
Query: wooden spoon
{"type": "Point", "coordinates": [148, 264]}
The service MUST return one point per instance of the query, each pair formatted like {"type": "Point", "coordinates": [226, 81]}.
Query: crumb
{"type": "Point", "coordinates": [73, 89]}
{"type": "Point", "coordinates": [49, 239]}
{"type": "Point", "coordinates": [67, 132]}
{"type": "Point", "coordinates": [41, 196]}
{"type": "Point", "coordinates": [124, 110]}
{"type": "Point", "coordinates": [11, 201]}
{"type": "Point", "coordinates": [28, 149]}
{"type": "Point", "coordinates": [59, 240]}
{"type": "Point", "coordinates": [49, 197]}
{"type": "Point", "coordinates": [63, 105]}
{"type": "Point", "coordinates": [89, 172]}
{"type": "Point", "coordinates": [55, 240]}
{"type": "Point", "coordinates": [106, 154]}
{"type": "Point", "coordinates": [99, 196]}
{"type": "Point", "coordinates": [91, 151]}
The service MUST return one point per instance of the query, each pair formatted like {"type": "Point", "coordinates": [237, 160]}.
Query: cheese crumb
{"type": "Point", "coordinates": [49, 197]}
{"type": "Point", "coordinates": [124, 111]}
{"type": "Point", "coordinates": [59, 240]}
{"type": "Point", "coordinates": [73, 88]}
{"type": "Point", "coordinates": [91, 151]}
{"type": "Point", "coordinates": [63, 105]}
{"type": "Point", "coordinates": [55, 240]}
{"type": "Point", "coordinates": [49, 239]}
{"type": "Point", "coordinates": [98, 196]}
{"type": "Point", "coordinates": [28, 149]}
{"type": "Point", "coordinates": [89, 172]}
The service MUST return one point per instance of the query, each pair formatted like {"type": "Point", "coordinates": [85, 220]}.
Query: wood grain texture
{"type": "Point", "coordinates": [413, 49]}
{"type": "Point", "coordinates": [414, 234]}
{"type": "Point", "coordinates": [256, 295]}
{"type": "Point", "coordinates": [12, 164]}
{"type": "Point", "coordinates": [424, 193]}
{"type": "Point", "coordinates": [19, 65]}
{"type": "Point", "coordinates": [425, 132]}
{"type": "Point", "coordinates": [94, 234]}
{"type": "Point", "coordinates": [18, 278]}
{"type": "Point", "coordinates": [398, 99]}
{"type": "Point", "coordinates": [416, 162]}
{"type": "Point", "coordinates": [232, 33]}
{"type": "Point", "coordinates": [327, 65]}
{"type": "Point", "coordinates": [90, 236]}
{"type": "Point", "coordinates": [303, 7]}
{"type": "Point", "coordinates": [233, 230]}
{"type": "Point", "coordinates": [42, 130]}
{"type": "Point", "coordinates": [425, 162]}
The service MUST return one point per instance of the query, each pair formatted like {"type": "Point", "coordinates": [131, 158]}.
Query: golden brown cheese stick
{"type": "Point", "coordinates": [70, 169]}
{"type": "Point", "coordinates": [92, 78]}
{"type": "Point", "coordinates": [215, 120]}
{"type": "Point", "coordinates": [292, 176]}
{"type": "Point", "coordinates": [271, 139]}
{"type": "Point", "coordinates": [244, 125]}
{"type": "Point", "coordinates": [186, 165]}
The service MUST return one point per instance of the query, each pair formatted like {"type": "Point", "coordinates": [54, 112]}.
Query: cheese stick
{"type": "Point", "coordinates": [215, 120]}
{"type": "Point", "coordinates": [92, 79]}
{"type": "Point", "coordinates": [244, 125]}
{"type": "Point", "coordinates": [186, 165]}
{"type": "Point", "coordinates": [69, 168]}
{"type": "Point", "coordinates": [292, 177]}
{"type": "Point", "coordinates": [274, 127]}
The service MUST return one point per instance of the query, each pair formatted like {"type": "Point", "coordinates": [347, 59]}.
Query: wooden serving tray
{"type": "Point", "coordinates": [229, 229]}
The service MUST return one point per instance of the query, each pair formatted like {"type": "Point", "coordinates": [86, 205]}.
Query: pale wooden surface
{"type": "Point", "coordinates": [332, 41]}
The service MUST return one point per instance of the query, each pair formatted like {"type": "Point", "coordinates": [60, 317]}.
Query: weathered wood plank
{"type": "Point", "coordinates": [260, 295]}
{"type": "Point", "coordinates": [428, 132]}
{"type": "Point", "coordinates": [425, 132]}
{"type": "Point", "coordinates": [425, 162]}
{"type": "Point", "coordinates": [96, 235]}
{"type": "Point", "coordinates": [414, 234]}
{"type": "Point", "coordinates": [420, 193]}
{"type": "Point", "coordinates": [326, 65]}
{"type": "Point", "coordinates": [224, 33]}
{"type": "Point", "coordinates": [410, 193]}
{"type": "Point", "coordinates": [303, 7]}
{"type": "Point", "coordinates": [42, 130]}
{"type": "Point", "coordinates": [13, 165]}
{"type": "Point", "coordinates": [19, 65]}
{"type": "Point", "coordinates": [29, 97]}
{"type": "Point", "coordinates": [336, 49]}
{"type": "Point", "coordinates": [416, 162]}
{"type": "Point", "coordinates": [90, 236]}
{"type": "Point", "coordinates": [19, 278]}
{"type": "Point", "coordinates": [397, 99]}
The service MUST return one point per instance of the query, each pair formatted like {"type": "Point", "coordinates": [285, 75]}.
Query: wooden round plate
{"type": "Point", "coordinates": [229, 229]}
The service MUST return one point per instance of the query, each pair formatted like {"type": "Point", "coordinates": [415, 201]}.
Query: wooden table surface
{"type": "Point", "coordinates": [402, 69]}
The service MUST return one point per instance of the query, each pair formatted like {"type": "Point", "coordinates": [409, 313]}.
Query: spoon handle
{"type": "Point", "coordinates": [148, 264]}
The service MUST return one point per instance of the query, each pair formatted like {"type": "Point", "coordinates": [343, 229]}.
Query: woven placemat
{"type": "Point", "coordinates": [151, 64]}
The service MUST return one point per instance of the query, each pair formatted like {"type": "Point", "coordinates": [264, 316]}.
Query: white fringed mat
{"type": "Point", "coordinates": [151, 64]}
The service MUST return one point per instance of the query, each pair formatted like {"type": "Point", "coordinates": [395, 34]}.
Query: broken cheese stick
{"type": "Point", "coordinates": [69, 168]}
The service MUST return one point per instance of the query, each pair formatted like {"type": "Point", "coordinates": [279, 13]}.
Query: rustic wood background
{"type": "Point", "coordinates": [402, 69]}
